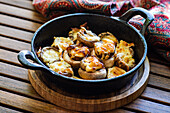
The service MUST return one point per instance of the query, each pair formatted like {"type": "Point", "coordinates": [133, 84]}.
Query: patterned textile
{"type": "Point", "coordinates": [157, 33]}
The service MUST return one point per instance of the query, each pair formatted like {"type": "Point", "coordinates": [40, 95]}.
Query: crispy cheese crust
{"type": "Point", "coordinates": [115, 71]}
{"type": "Point", "coordinates": [108, 35]}
{"type": "Point", "coordinates": [62, 43]}
{"type": "Point", "coordinates": [91, 64]}
{"type": "Point", "coordinates": [74, 54]}
{"type": "Point", "coordinates": [124, 55]}
{"type": "Point", "coordinates": [48, 55]}
{"type": "Point", "coordinates": [104, 49]}
{"type": "Point", "coordinates": [62, 67]}
{"type": "Point", "coordinates": [78, 52]}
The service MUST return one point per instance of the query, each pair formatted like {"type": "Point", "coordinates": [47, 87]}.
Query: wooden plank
{"type": "Point", "coordinates": [14, 44]}
{"type": "Point", "coordinates": [14, 71]}
{"type": "Point", "coordinates": [9, 56]}
{"type": "Point", "coordinates": [34, 105]}
{"type": "Point", "coordinates": [22, 13]}
{"type": "Point", "coordinates": [7, 110]}
{"type": "Point", "coordinates": [26, 89]}
{"type": "Point", "coordinates": [148, 106]}
{"type": "Point", "coordinates": [18, 87]}
{"type": "Point", "coordinates": [19, 23]}
{"type": "Point", "coordinates": [160, 69]}
{"type": "Point", "coordinates": [27, 4]}
{"type": "Point", "coordinates": [156, 95]}
{"type": "Point", "coordinates": [160, 82]}
{"type": "Point", "coordinates": [29, 104]}
{"type": "Point", "coordinates": [16, 33]}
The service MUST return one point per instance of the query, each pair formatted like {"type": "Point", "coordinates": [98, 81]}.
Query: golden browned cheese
{"type": "Point", "coordinates": [48, 55]}
{"type": "Point", "coordinates": [62, 67]}
{"type": "Point", "coordinates": [115, 71]}
{"type": "Point", "coordinates": [62, 43]}
{"type": "Point", "coordinates": [88, 35]}
{"type": "Point", "coordinates": [73, 33]}
{"type": "Point", "coordinates": [104, 48]}
{"type": "Point", "coordinates": [79, 52]}
{"type": "Point", "coordinates": [92, 64]}
{"type": "Point", "coordinates": [125, 54]}
{"type": "Point", "coordinates": [108, 35]}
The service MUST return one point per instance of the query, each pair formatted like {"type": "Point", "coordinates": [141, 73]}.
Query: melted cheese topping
{"type": "Point", "coordinates": [104, 48]}
{"type": "Point", "coordinates": [125, 53]}
{"type": "Point", "coordinates": [88, 35]}
{"type": "Point", "coordinates": [115, 71]}
{"type": "Point", "coordinates": [108, 35]}
{"type": "Point", "coordinates": [92, 64]}
{"type": "Point", "coordinates": [50, 55]}
{"type": "Point", "coordinates": [62, 43]}
{"type": "Point", "coordinates": [62, 67]}
{"type": "Point", "coordinates": [79, 52]}
{"type": "Point", "coordinates": [73, 33]}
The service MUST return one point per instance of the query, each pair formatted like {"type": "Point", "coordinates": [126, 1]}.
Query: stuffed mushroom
{"type": "Point", "coordinates": [48, 55]}
{"type": "Point", "coordinates": [87, 37]}
{"type": "Point", "coordinates": [115, 71]}
{"type": "Point", "coordinates": [92, 68]}
{"type": "Point", "coordinates": [62, 43]}
{"type": "Point", "coordinates": [124, 55]}
{"type": "Point", "coordinates": [108, 35]}
{"type": "Point", "coordinates": [105, 50]}
{"type": "Point", "coordinates": [62, 67]}
{"type": "Point", "coordinates": [74, 54]}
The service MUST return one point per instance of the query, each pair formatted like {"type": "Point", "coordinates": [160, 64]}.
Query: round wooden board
{"type": "Point", "coordinates": [101, 103]}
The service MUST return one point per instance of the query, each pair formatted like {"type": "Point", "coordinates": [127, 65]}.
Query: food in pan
{"type": "Point", "coordinates": [115, 71]}
{"type": "Point", "coordinates": [105, 50]}
{"type": "Point", "coordinates": [124, 55]}
{"type": "Point", "coordinates": [108, 35]}
{"type": "Point", "coordinates": [87, 37]}
{"type": "Point", "coordinates": [62, 43]}
{"type": "Point", "coordinates": [74, 54]}
{"type": "Point", "coordinates": [62, 67]}
{"type": "Point", "coordinates": [48, 55]}
{"type": "Point", "coordinates": [89, 55]}
{"type": "Point", "coordinates": [91, 68]}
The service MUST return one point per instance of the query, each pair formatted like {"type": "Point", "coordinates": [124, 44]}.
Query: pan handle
{"type": "Point", "coordinates": [23, 57]}
{"type": "Point", "coordinates": [139, 11]}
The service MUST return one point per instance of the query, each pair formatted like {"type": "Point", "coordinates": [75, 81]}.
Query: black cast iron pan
{"type": "Point", "coordinates": [60, 26]}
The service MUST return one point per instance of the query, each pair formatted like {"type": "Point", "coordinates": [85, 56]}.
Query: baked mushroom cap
{"type": "Point", "coordinates": [115, 71]}
{"type": "Point", "coordinates": [62, 67]}
{"type": "Point", "coordinates": [108, 35]}
{"type": "Point", "coordinates": [74, 63]}
{"type": "Point", "coordinates": [62, 43]}
{"type": "Point", "coordinates": [73, 34]}
{"type": "Point", "coordinates": [100, 74]}
{"type": "Point", "coordinates": [124, 55]}
{"type": "Point", "coordinates": [107, 62]}
{"type": "Point", "coordinates": [87, 37]}
{"type": "Point", "coordinates": [74, 54]}
{"type": "Point", "coordinates": [48, 54]}
{"type": "Point", "coordinates": [91, 68]}
{"type": "Point", "coordinates": [105, 50]}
